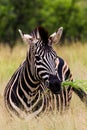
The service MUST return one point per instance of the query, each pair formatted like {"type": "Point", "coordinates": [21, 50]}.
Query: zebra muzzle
{"type": "Point", "coordinates": [54, 84]}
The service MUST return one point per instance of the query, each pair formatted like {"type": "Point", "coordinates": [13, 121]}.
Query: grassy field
{"type": "Point", "coordinates": [74, 119]}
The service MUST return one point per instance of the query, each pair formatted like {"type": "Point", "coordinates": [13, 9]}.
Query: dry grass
{"type": "Point", "coordinates": [76, 56]}
{"type": "Point", "coordinates": [74, 119]}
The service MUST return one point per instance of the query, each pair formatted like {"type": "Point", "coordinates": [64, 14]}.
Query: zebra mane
{"type": "Point", "coordinates": [43, 34]}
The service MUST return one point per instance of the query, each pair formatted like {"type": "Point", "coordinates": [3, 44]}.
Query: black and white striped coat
{"type": "Point", "coordinates": [36, 85]}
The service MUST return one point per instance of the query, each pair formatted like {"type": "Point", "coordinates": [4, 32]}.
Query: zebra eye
{"type": "Point", "coordinates": [37, 57]}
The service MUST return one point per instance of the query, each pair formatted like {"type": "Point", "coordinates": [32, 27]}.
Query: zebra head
{"type": "Point", "coordinates": [42, 58]}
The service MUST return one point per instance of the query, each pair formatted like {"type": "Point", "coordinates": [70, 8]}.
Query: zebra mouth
{"type": "Point", "coordinates": [55, 87]}
{"type": "Point", "coordinates": [54, 84]}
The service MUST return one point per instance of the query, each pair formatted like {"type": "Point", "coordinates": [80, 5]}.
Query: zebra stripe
{"type": "Point", "coordinates": [36, 84]}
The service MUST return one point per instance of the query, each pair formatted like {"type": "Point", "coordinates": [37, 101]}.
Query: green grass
{"type": "Point", "coordinates": [76, 84]}
{"type": "Point", "coordinates": [73, 119]}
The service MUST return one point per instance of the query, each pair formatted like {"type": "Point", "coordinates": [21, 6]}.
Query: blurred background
{"type": "Point", "coordinates": [51, 14]}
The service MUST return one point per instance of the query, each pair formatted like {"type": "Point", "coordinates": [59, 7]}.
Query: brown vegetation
{"type": "Point", "coordinates": [73, 119]}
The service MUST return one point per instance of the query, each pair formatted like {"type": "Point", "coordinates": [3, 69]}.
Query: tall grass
{"type": "Point", "coordinates": [76, 56]}
{"type": "Point", "coordinates": [73, 119]}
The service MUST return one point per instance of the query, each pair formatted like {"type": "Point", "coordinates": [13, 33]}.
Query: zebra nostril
{"type": "Point", "coordinates": [54, 84]}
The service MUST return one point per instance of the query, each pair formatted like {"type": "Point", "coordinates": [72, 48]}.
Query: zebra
{"type": "Point", "coordinates": [35, 87]}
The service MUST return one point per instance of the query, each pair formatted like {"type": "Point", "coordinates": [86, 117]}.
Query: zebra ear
{"type": "Point", "coordinates": [55, 37]}
{"type": "Point", "coordinates": [25, 37]}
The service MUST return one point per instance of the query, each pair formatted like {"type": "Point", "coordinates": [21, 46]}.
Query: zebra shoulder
{"type": "Point", "coordinates": [63, 69]}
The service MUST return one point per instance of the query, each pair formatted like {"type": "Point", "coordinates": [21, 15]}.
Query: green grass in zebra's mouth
{"type": "Point", "coordinates": [78, 84]}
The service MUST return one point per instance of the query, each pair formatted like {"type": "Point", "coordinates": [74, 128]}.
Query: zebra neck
{"type": "Point", "coordinates": [30, 60]}
{"type": "Point", "coordinates": [28, 89]}
{"type": "Point", "coordinates": [27, 76]}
